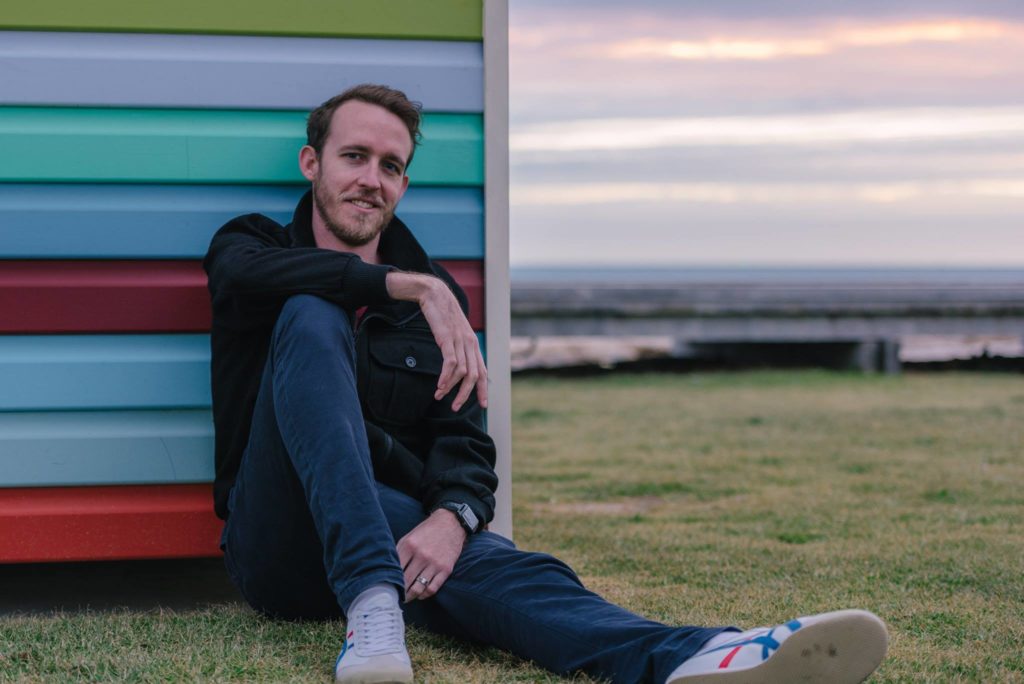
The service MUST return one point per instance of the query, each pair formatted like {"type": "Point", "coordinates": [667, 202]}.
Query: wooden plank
{"type": "Point", "coordinates": [197, 146]}
{"type": "Point", "coordinates": [127, 296]}
{"type": "Point", "coordinates": [92, 221]}
{"type": "Point", "coordinates": [233, 72]}
{"type": "Point", "coordinates": [499, 415]}
{"type": "Point", "coordinates": [67, 372]}
{"type": "Point", "coordinates": [440, 19]}
{"type": "Point", "coordinates": [107, 523]}
{"type": "Point", "coordinates": [105, 447]}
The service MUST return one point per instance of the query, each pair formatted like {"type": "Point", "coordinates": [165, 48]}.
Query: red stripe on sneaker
{"type": "Point", "coordinates": [728, 659]}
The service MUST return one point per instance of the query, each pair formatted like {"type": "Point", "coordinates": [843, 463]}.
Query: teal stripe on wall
{"type": "Point", "coordinates": [105, 447]}
{"type": "Point", "coordinates": [90, 221]}
{"type": "Point", "coordinates": [196, 146]}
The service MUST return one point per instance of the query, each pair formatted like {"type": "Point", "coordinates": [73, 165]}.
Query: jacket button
{"type": "Point", "coordinates": [410, 362]}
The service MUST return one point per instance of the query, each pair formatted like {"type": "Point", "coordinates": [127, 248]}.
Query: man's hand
{"type": "Point", "coordinates": [430, 551]}
{"type": "Point", "coordinates": [463, 361]}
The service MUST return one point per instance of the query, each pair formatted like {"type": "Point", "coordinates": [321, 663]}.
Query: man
{"type": "Point", "coordinates": [353, 471]}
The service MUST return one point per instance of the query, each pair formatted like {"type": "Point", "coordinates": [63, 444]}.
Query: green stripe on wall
{"type": "Point", "coordinates": [197, 146]}
{"type": "Point", "coordinates": [428, 19]}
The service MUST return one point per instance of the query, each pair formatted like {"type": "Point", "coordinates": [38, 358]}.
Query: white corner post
{"type": "Point", "coordinates": [496, 267]}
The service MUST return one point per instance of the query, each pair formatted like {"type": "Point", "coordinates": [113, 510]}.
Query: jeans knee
{"type": "Point", "coordinates": [313, 320]}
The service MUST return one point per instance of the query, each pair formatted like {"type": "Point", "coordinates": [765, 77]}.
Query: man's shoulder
{"type": "Point", "coordinates": [257, 225]}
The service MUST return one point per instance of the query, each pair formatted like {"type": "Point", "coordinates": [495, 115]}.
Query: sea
{"type": "Point", "coordinates": [824, 275]}
{"type": "Point", "coordinates": [551, 352]}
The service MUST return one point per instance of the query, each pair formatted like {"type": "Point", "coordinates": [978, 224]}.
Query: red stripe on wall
{"type": "Point", "coordinates": [103, 296]}
{"type": "Point", "coordinates": [470, 276]}
{"type": "Point", "coordinates": [135, 296]}
{"type": "Point", "coordinates": [107, 523]}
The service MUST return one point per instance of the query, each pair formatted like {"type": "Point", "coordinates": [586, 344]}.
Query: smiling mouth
{"type": "Point", "coordinates": [363, 204]}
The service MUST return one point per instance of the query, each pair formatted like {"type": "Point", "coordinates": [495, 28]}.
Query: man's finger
{"type": "Point", "coordinates": [481, 382]}
{"type": "Point", "coordinates": [468, 383]}
{"type": "Point", "coordinates": [435, 585]}
{"type": "Point", "coordinates": [444, 381]}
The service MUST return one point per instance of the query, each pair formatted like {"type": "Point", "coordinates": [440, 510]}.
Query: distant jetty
{"type": "Point", "coordinates": [872, 320]}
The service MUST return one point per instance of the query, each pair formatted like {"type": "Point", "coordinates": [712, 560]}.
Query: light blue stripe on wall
{"type": "Point", "coordinates": [234, 72]}
{"type": "Point", "coordinates": [177, 221]}
{"type": "Point", "coordinates": [105, 447]}
{"type": "Point", "coordinates": [94, 372]}
{"type": "Point", "coordinates": [66, 372]}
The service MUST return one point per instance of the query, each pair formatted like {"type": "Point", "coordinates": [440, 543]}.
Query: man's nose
{"type": "Point", "coordinates": [370, 177]}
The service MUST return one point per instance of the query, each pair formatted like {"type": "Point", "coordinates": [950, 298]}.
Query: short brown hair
{"type": "Point", "coordinates": [318, 126]}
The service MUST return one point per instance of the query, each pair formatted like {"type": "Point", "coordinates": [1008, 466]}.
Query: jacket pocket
{"type": "Point", "coordinates": [404, 367]}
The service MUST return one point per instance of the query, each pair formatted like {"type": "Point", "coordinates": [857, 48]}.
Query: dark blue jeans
{"type": "Point", "coordinates": [310, 528]}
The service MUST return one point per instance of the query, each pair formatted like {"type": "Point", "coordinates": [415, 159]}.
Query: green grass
{"type": "Point", "coordinates": [732, 498]}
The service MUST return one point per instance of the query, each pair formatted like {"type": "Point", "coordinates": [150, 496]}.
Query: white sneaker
{"type": "Point", "coordinates": [374, 650]}
{"type": "Point", "coordinates": [843, 647]}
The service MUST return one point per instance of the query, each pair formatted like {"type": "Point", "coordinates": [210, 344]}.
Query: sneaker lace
{"type": "Point", "coordinates": [379, 631]}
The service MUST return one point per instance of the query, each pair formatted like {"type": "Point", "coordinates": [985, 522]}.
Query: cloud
{"type": "Point", "coordinates": [789, 9]}
{"type": "Point", "coordinates": [761, 48]}
{"type": "Point", "coordinates": [910, 124]}
{"type": "Point", "coordinates": [585, 194]}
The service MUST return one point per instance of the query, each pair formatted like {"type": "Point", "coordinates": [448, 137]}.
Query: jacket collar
{"type": "Point", "coordinates": [398, 246]}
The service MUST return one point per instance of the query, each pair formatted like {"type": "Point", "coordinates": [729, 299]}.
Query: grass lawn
{"type": "Point", "coordinates": [729, 498]}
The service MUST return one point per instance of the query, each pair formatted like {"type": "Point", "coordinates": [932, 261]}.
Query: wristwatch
{"type": "Point", "coordinates": [467, 518]}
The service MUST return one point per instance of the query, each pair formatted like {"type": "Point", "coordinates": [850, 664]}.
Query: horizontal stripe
{"type": "Point", "coordinates": [233, 72]}
{"type": "Point", "coordinates": [97, 447]}
{"type": "Point", "coordinates": [441, 19]}
{"type": "Point", "coordinates": [177, 221]}
{"type": "Point", "coordinates": [94, 372]}
{"type": "Point", "coordinates": [132, 296]}
{"type": "Point", "coordinates": [118, 296]}
{"type": "Point", "coordinates": [197, 146]}
{"type": "Point", "coordinates": [107, 523]}
{"type": "Point", "coordinates": [104, 372]}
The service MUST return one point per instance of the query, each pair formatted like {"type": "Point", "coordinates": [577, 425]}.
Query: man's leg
{"type": "Point", "coordinates": [534, 606]}
{"type": "Point", "coordinates": [306, 533]}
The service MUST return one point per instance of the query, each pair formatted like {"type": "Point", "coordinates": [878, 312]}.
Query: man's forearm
{"type": "Point", "coordinates": [412, 287]}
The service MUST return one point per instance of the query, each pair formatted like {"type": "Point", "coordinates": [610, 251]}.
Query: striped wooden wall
{"type": "Point", "coordinates": [129, 132]}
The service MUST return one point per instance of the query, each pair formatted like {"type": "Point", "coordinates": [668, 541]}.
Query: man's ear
{"type": "Point", "coordinates": [309, 163]}
{"type": "Point", "coordinates": [405, 186]}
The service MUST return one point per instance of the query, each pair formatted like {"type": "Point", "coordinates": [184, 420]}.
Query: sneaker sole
{"type": "Point", "coordinates": [844, 647]}
{"type": "Point", "coordinates": [376, 675]}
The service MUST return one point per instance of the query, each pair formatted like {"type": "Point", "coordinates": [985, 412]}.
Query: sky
{"type": "Point", "coordinates": [745, 132]}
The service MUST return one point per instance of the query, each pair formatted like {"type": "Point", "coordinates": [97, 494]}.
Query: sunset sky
{"type": "Point", "coordinates": [767, 133]}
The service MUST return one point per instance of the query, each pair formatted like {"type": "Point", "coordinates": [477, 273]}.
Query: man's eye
{"type": "Point", "coordinates": [392, 167]}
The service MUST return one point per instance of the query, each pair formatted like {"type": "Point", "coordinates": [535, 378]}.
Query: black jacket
{"type": "Point", "coordinates": [418, 445]}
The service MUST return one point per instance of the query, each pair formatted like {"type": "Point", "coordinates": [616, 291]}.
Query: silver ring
{"type": "Point", "coordinates": [423, 580]}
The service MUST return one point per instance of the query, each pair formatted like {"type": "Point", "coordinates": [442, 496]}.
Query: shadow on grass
{"type": "Point", "coordinates": [179, 584]}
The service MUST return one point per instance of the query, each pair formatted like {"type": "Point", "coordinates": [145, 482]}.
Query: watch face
{"type": "Point", "coordinates": [469, 517]}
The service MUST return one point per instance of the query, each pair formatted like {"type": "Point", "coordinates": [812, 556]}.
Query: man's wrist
{"type": "Point", "coordinates": [463, 514]}
{"type": "Point", "coordinates": [410, 287]}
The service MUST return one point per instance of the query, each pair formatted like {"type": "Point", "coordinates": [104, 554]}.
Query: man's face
{"type": "Point", "coordinates": [359, 176]}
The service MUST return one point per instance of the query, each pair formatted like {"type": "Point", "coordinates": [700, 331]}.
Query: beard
{"type": "Point", "coordinates": [355, 232]}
